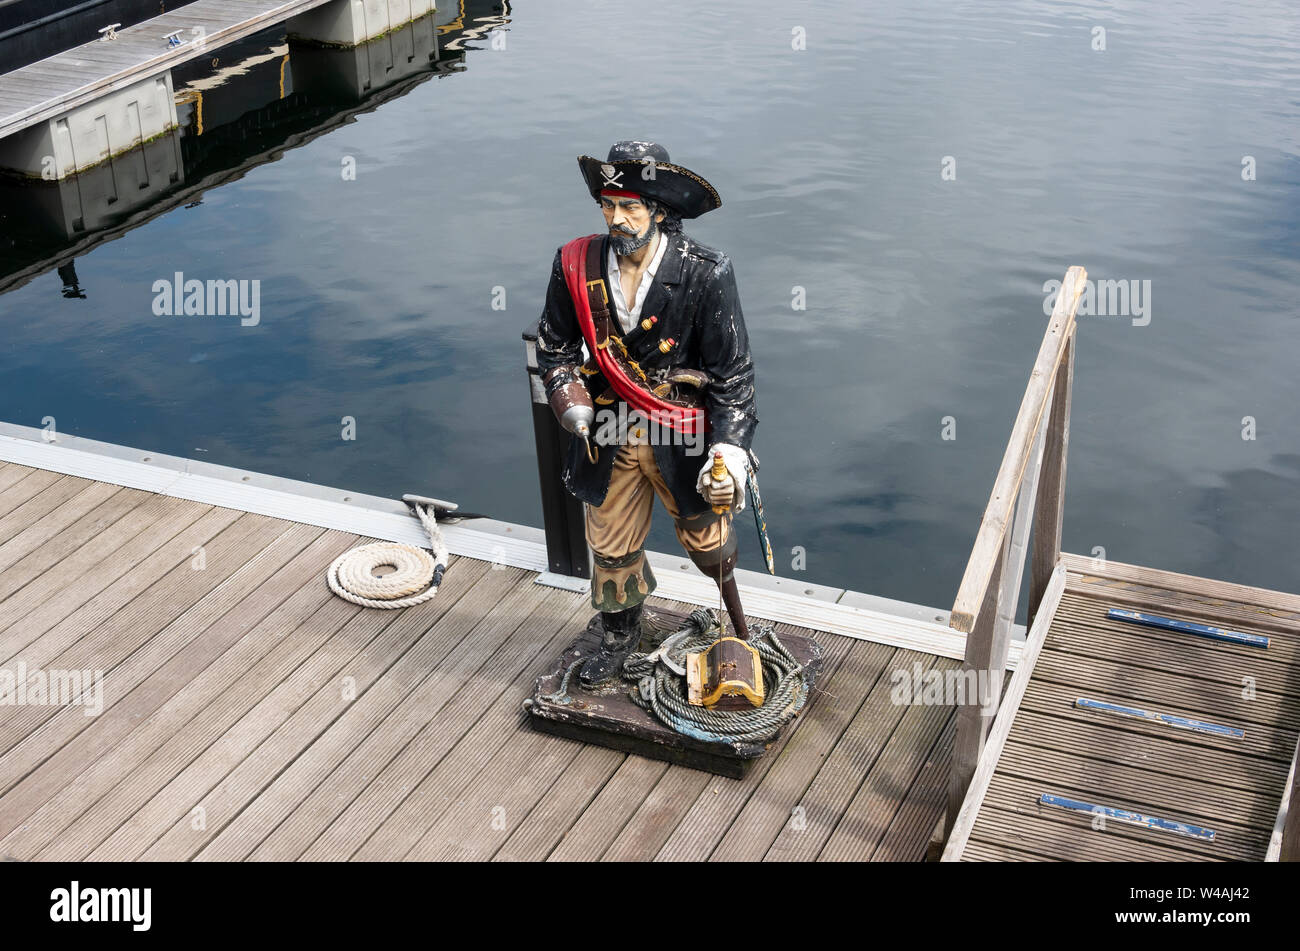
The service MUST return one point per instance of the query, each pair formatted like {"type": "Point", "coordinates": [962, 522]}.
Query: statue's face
{"type": "Point", "coordinates": [629, 222]}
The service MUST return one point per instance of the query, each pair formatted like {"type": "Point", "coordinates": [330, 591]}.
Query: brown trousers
{"type": "Point", "coordinates": [617, 529]}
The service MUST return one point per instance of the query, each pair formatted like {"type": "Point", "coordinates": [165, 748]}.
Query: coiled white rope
{"type": "Point", "coordinates": [416, 573]}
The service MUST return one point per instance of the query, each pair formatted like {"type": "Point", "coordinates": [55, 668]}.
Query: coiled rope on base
{"type": "Point", "coordinates": [662, 691]}
{"type": "Point", "coordinates": [416, 576]}
{"type": "Point", "coordinates": [661, 685]}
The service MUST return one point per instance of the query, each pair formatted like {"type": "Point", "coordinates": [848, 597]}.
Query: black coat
{"type": "Point", "coordinates": [694, 296]}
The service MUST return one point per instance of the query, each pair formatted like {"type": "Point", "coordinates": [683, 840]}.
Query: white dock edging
{"type": "Point", "coordinates": [518, 546]}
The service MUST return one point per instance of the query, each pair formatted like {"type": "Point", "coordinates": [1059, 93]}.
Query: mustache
{"type": "Point", "coordinates": [622, 229]}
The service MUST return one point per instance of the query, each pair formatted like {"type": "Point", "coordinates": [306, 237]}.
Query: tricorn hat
{"type": "Point", "coordinates": [643, 168]}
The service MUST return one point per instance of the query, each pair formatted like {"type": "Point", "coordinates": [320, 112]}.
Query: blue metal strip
{"type": "Point", "coordinates": [1169, 719]}
{"type": "Point", "coordinates": [1132, 818]}
{"type": "Point", "coordinates": [1188, 627]}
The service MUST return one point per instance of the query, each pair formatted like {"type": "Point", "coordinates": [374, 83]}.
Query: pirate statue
{"type": "Point", "coordinates": [670, 374]}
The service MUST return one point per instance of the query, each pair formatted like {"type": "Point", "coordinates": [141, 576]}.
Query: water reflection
{"type": "Point", "coordinates": [242, 108]}
{"type": "Point", "coordinates": [924, 295]}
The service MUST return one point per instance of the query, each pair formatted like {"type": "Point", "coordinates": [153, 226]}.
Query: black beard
{"type": "Point", "coordinates": [625, 244]}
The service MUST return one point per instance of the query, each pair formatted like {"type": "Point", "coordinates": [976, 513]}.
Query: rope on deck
{"type": "Point", "coordinates": [661, 684]}
{"type": "Point", "coordinates": [661, 689]}
{"type": "Point", "coordinates": [415, 580]}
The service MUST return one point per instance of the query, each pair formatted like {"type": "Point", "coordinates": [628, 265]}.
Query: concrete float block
{"type": "Point", "coordinates": [89, 135]}
{"type": "Point", "coordinates": [355, 72]}
{"type": "Point", "coordinates": [349, 23]}
{"type": "Point", "coordinates": [100, 196]}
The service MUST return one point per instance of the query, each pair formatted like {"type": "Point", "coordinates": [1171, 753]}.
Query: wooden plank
{"type": "Point", "coordinates": [58, 493]}
{"type": "Point", "coordinates": [1190, 584]}
{"type": "Point", "coordinates": [960, 825]}
{"type": "Point", "coordinates": [974, 719]}
{"type": "Point", "coordinates": [226, 690]}
{"type": "Point", "coordinates": [298, 756]}
{"type": "Point", "coordinates": [40, 530]}
{"type": "Point", "coordinates": [908, 836]}
{"type": "Point", "coordinates": [496, 801]}
{"type": "Point", "coordinates": [1100, 593]}
{"type": "Point", "coordinates": [1017, 549]}
{"type": "Point", "coordinates": [404, 650]}
{"type": "Point", "coordinates": [1074, 840]}
{"type": "Point", "coordinates": [11, 473]}
{"type": "Point", "coordinates": [618, 799]}
{"type": "Point", "coordinates": [135, 726]}
{"type": "Point", "coordinates": [98, 829]}
{"type": "Point", "coordinates": [1143, 687]}
{"type": "Point", "coordinates": [462, 832]}
{"type": "Point", "coordinates": [1049, 510]}
{"type": "Point", "coordinates": [1193, 799]}
{"type": "Point", "coordinates": [648, 829]}
{"type": "Point", "coordinates": [989, 541]}
{"type": "Point", "coordinates": [852, 762]}
{"type": "Point", "coordinates": [750, 813]}
{"type": "Point", "coordinates": [564, 803]}
{"type": "Point", "coordinates": [162, 553]}
{"type": "Point", "coordinates": [69, 560]}
{"type": "Point", "coordinates": [26, 488]}
{"type": "Point", "coordinates": [439, 732]}
{"type": "Point", "coordinates": [98, 529]}
{"type": "Point", "coordinates": [129, 629]}
{"type": "Point", "coordinates": [477, 770]}
{"type": "Point", "coordinates": [70, 741]}
{"type": "Point", "coordinates": [1266, 744]}
{"type": "Point", "coordinates": [1164, 754]}
{"type": "Point", "coordinates": [89, 596]}
{"type": "Point", "coordinates": [977, 851]}
{"type": "Point", "coordinates": [1017, 799]}
{"type": "Point", "coordinates": [1284, 844]}
{"type": "Point", "coordinates": [1084, 618]}
{"type": "Point", "coordinates": [1197, 661]}
{"type": "Point", "coordinates": [861, 828]}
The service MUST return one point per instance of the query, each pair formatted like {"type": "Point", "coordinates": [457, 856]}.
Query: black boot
{"type": "Point", "coordinates": [621, 637]}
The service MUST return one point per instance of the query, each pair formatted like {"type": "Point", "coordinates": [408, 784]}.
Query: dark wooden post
{"type": "Point", "coordinates": [562, 514]}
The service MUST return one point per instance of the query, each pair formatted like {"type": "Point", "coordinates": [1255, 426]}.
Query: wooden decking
{"type": "Point", "coordinates": [249, 714]}
{"type": "Point", "coordinates": [1048, 745]}
{"type": "Point", "coordinates": [52, 86]}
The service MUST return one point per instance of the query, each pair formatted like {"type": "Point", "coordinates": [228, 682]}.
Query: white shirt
{"type": "Point", "coordinates": [627, 317]}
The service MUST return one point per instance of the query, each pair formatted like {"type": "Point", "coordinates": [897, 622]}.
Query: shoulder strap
{"type": "Point", "coordinates": [581, 258]}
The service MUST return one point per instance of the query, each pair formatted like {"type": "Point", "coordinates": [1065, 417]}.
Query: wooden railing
{"type": "Point", "coordinates": [1284, 845]}
{"type": "Point", "coordinates": [1029, 492]}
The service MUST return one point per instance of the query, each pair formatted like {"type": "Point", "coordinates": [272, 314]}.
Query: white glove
{"type": "Point", "coordinates": [730, 491]}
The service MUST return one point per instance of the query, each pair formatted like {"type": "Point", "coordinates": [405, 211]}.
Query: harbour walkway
{"type": "Point", "coordinates": [247, 713]}
{"type": "Point", "coordinates": [1192, 738]}
{"type": "Point", "coordinates": [51, 87]}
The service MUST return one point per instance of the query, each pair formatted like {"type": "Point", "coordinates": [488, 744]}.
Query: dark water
{"type": "Point", "coordinates": [924, 296]}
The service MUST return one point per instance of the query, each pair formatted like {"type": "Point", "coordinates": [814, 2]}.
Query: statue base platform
{"type": "Point", "coordinates": [607, 715]}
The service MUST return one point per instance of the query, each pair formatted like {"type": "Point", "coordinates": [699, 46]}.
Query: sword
{"type": "Point", "coordinates": [760, 521]}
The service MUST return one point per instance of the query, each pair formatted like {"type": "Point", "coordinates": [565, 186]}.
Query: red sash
{"type": "Point", "coordinates": [591, 294]}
